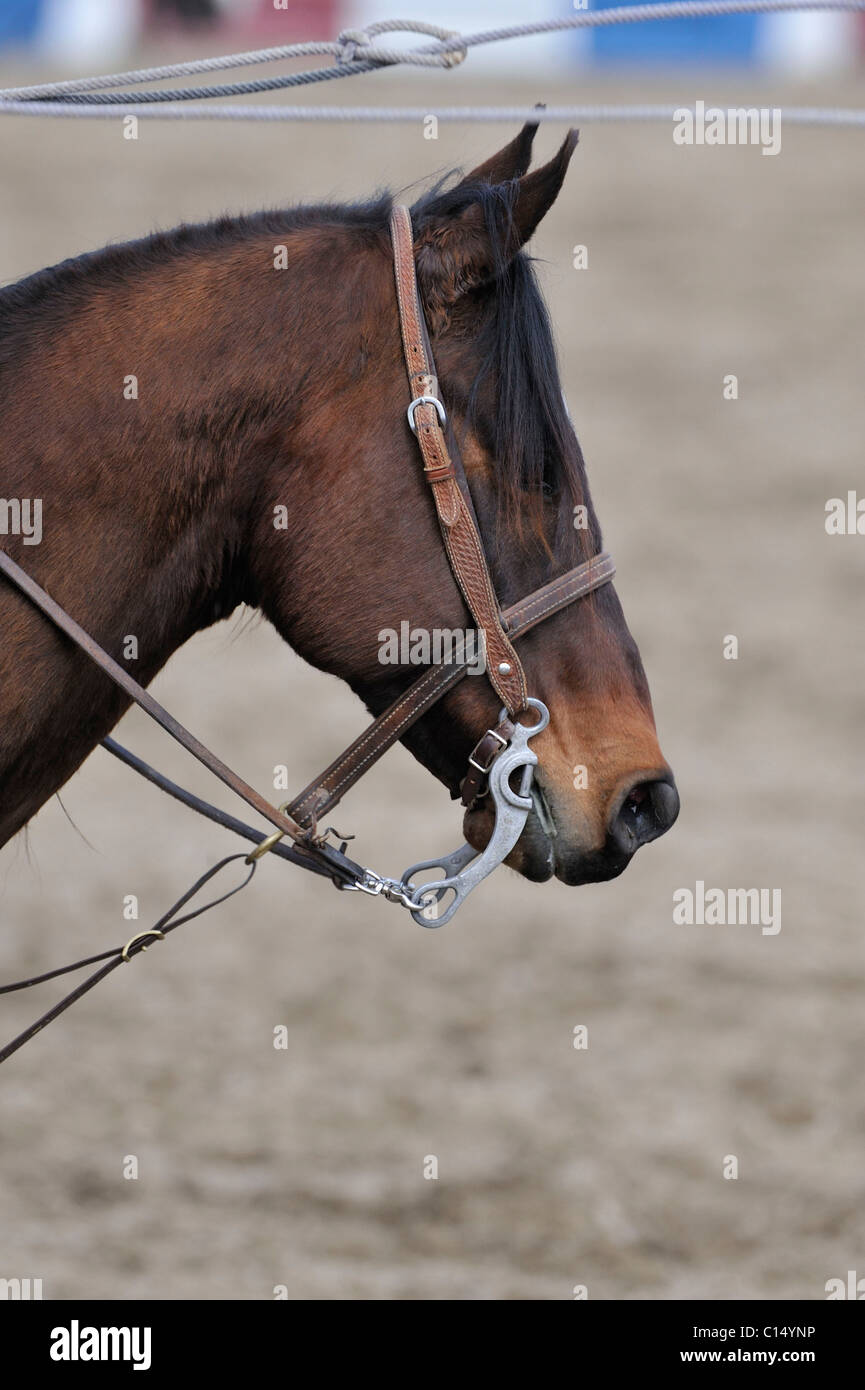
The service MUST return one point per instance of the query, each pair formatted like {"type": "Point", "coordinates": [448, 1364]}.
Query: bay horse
{"type": "Point", "coordinates": [167, 398]}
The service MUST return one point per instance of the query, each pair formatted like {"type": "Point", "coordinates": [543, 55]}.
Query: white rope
{"type": "Point", "coordinates": [351, 45]}
{"type": "Point", "coordinates": [355, 52]}
{"type": "Point", "coordinates": [639, 14]}
{"type": "Point", "coordinates": [582, 115]}
{"type": "Point", "coordinates": [139, 75]}
{"type": "Point", "coordinates": [355, 46]}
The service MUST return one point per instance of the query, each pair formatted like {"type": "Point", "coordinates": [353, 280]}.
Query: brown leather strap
{"type": "Point", "coordinates": [327, 790]}
{"type": "Point", "coordinates": [143, 698]}
{"type": "Point", "coordinates": [483, 755]}
{"type": "Point", "coordinates": [592, 574]}
{"type": "Point", "coordinates": [120, 955]}
{"type": "Point", "coordinates": [462, 542]}
{"type": "Point", "coordinates": [322, 795]}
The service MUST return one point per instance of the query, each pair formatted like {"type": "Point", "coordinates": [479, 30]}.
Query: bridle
{"type": "Point", "coordinates": [501, 757]}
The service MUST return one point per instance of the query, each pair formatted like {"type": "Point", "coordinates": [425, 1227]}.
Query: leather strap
{"type": "Point", "coordinates": [322, 795]}
{"type": "Point", "coordinates": [283, 849]}
{"type": "Point", "coordinates": [559, 593]}
{"type": "Point", "coordinates": [462, 541]}
{"type": "Point", "coordinates": [481, 759]}
{"type": "Point", "coordinates": [344, 868]}
{"type": "Point", "coordinates": [120, 955]}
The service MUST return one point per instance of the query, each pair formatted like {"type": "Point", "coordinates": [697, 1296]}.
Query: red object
{"type": "Point", "coordinates": [300, 20]}
{"type": "Point", "coordinates": [261, 23]}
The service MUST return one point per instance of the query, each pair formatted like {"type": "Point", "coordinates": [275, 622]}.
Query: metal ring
{"type": "Point", "coordinates": [542, 712]}
{"type": "Point", "coordinates": [264, 845]}
{"type": "Point", "coordinates": [425, 400]}
{"type": "Point", "coordinates": [270, 840]}
{"type": "Point", "coordinates": [124, 954]}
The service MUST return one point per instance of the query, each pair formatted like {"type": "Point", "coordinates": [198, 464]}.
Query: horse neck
{"type": "Point", "coordinates": [142, 423]}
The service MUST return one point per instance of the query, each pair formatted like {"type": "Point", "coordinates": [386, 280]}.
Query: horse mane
{"type": "Point", "coordinates": [59, 288]}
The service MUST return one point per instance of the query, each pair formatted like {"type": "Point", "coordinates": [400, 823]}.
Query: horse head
{"type": "Point", "coordinates": [362, 558]}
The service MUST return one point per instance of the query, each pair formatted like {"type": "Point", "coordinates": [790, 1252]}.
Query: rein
{"type": "Point", "coordinates": [500, 753]}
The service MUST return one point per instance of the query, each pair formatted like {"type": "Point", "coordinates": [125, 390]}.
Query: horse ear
{"type": "Point", "coordinates": [459, 248]}
{"type": "Point", "coordinates": [510, 163]}
{"type": "Point", "coordinates": [539, 190]}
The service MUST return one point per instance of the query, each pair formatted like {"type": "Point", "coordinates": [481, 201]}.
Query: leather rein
{"type": "Point", "coordinates": [500, 753]}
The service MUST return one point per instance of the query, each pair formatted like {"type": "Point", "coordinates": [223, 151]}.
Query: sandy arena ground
{"type": "Point", "coordinates": [303, 1167]}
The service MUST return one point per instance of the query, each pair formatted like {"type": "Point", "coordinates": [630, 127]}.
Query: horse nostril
{"type": "Point", "coordinates": [646, 812]}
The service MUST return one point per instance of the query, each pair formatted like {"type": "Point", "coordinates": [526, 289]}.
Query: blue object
{"type": "Point", "coordinates": [714, 39]}
{"type": "Point", "coordinates": [19, 20]}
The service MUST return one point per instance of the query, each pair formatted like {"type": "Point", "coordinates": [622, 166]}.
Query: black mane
{"type": "Point", "coordinates": [533, 442]}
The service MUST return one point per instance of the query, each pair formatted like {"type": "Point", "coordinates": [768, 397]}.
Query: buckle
{"type": "Point", "coordinates": [502, 742]}
{"type": "Point", "coordinates": [425, 400]}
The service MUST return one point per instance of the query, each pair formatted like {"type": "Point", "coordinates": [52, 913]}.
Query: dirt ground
{"type": "Point", "coordinates": [303, 1167]}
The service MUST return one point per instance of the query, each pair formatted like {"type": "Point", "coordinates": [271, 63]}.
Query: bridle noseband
{"type": "Point", "coordinates": [500, 753]}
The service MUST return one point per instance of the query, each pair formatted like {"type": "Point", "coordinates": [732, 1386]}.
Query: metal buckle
{"type": "Point", "coordinates": [426, 400]}
{"type": "Point", "coordinates": [502, 744]}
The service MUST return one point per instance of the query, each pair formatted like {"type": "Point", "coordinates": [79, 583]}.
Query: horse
{"type": "Point", "coordinates": [214, 416]}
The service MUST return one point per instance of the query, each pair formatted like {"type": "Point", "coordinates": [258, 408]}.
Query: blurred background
{"type": "Point", "coordinates": [603, 1167]}
{"type": "Point", "coordinates": [96, 30]}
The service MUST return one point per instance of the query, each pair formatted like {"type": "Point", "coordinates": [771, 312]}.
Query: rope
{"type": "Point", "coordinates": [350, 51]}
{"type": "Point", "coordinates": [229, 89]}
{"type": "Point", "coordinates": [639, 14]}
{"type": "Point", "coordinates": [354, 52]}
{"type": "Point", "coordinates": [119, 955]}
{"type": "Point", "coordinates": [790, 115]}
